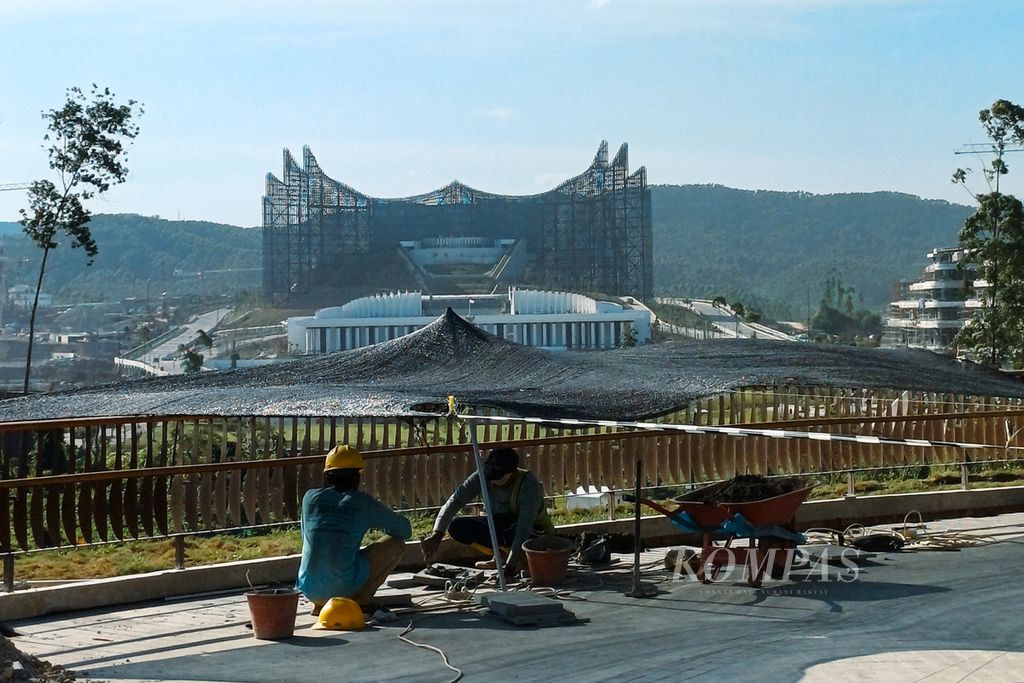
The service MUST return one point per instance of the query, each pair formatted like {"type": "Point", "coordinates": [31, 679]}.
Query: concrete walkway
{"type": "Point", "coordinates": [935, 616]}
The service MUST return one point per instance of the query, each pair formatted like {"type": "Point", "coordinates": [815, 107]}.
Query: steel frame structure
{"type": "Point", "coordinates": [592, 233]}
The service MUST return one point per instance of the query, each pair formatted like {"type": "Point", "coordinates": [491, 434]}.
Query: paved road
{"type": "Point", "coordinates": [187, 332]}
{"type": "Point", "coordinates": [726, 321]}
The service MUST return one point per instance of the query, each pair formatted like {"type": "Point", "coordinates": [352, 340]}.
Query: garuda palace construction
{"type": "Point", "coordinates": [324, 242]}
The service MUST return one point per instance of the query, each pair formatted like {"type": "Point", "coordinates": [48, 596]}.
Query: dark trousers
{"type": "Point", "coordinates": [474, 529]}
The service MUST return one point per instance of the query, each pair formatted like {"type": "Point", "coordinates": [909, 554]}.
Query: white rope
{"type": "Point", "coordinates": [432, 648]}
{"type": "Point", "coordinates": [744, 431]}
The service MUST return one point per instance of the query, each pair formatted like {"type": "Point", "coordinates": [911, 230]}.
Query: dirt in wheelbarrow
{"type": "Point", "coordinates": [746, 488]}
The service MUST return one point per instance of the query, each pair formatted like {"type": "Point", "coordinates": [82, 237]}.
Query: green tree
{"type": "Point", "coordinates": [203, 339]}
{"type": "Point", "coordinates": [192, 362]}
{"type": "Point", "coordinates": [835, 294]}
{"type": "Point", "coordinates": [993, 241]}
{"type": "Point", "coordinates": [87, 138]}
{"type": "Point", "coordinates": [838, 317]}
{"type": "Point", "coordinates": [628, 336]}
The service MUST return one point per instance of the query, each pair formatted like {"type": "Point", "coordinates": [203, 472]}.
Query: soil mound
{"type": "Point", "coordinates": [746, 488]}
{"type": "Point", "coordinates": [34, 668]}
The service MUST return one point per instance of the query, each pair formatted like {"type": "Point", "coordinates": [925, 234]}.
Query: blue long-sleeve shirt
{"type": "Point", "coordinates": [333, 525]}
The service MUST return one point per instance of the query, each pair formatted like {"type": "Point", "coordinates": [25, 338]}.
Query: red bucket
{"type": "Point", "coordinates": [548, 559]}
{"type": "Point", "coordinates": [273, 612]}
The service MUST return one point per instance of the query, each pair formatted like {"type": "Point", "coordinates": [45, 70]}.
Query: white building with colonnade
{"type": "Point", "coordinates": [544, 319]}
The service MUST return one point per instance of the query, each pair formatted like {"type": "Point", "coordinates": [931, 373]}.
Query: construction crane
{"type": "Point", "coordinates": [10, 187]}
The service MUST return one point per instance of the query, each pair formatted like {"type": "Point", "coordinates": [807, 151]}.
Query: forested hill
{"type": "Point", "coordinates": [778, 247]}
{"type": "Point", "coordinates": [140, 255]}
{"type": "Point", "coordinates": [773, 250]}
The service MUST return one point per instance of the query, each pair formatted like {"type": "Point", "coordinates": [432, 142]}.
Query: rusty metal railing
{"type": "Point", "coordinates": [68, 483]}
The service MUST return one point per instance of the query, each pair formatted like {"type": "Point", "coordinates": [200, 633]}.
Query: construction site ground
{"type": "Point", "coordinates": [904, 616]}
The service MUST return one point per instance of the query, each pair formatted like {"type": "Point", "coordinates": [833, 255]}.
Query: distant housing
{"type": "Point", "coordinates": [551, 320]}
{"type": "Point", "coordinates": [21, 296]}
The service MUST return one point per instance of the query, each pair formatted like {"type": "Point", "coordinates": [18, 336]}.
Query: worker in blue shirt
{"type": "Point", "coordinates": [517, 505]}
{"type": "Point", "coordinates": [334, 521]}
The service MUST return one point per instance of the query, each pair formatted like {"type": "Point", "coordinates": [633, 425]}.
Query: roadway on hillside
{"type": "Point", "coordinates": [726, 321]}
{"type": "Point", "coordinates": [163, 356]}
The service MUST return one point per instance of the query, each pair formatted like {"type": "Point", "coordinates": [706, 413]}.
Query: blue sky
{"type": "Point", "coordinates": [398, 98]}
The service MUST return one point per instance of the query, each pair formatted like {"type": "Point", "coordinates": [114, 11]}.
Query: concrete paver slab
{"type": "Point", "coordinates": [932, 616]}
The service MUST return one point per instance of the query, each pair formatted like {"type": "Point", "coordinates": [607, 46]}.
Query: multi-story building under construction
{"type": "Point", "coordinates": [324, 241]}
{"type": "Point", "coordinates": [931, 310]}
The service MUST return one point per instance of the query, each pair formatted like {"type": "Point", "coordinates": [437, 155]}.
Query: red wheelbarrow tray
{"type": "Point", "coordinates": [768, 517]}
{"type": "Point", "coordinates": [766, 512]}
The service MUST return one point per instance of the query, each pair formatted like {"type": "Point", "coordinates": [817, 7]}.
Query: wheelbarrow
{"type": "Point", "coordinates": [769, 523]}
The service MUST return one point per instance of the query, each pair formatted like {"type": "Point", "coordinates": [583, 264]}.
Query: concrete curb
{"type": "Point", "coordinates": [656, 531]}
{"type": "Point", "coordinates": [869, 510]}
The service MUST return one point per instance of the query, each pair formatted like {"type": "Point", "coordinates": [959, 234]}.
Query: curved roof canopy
{"type": "Point", "coordinates": [406, 376]}
{"type": "Point", "coordinates": [599, 177]}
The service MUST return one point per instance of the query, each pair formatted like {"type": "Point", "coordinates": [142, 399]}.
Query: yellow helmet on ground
{"type": "Point", "coordinates": [343, 457]}
{"type": "Point", "coordinates": [341, 614]}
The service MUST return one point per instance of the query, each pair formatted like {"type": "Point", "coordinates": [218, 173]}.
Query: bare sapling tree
{"type": "Point", "coordinates": [86, 142]}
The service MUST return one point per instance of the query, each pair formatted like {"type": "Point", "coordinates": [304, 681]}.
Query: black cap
{"type": "Point", "coordinates": [500, 462]}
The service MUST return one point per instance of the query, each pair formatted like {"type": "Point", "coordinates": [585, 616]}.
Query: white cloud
{"type": "Point", "coordinates": [598, 4]}
{"type": "Point", "coordinates": [498, 113]}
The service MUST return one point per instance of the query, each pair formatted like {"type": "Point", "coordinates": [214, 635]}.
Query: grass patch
{"type": "Point", "coordinates": [134, 557]}
{"type": "Point", "coordinates": [915, 479]}
{"type": "Point", "coordinates": [681, 316]}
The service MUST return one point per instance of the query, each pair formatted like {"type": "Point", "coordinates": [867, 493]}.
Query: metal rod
{"type": "Point", "coordinates": [486, 495]}
{"type": "Point", "coordinates": [964, 475]}
{"type": "Point", "coordinates": [640, 589]}
{"type": "Point", "coordinates": [9, 572]}
{"type": "Point", "coordinates": [636, 527]}
{"type": "Point", "coordinates": [179, 552]}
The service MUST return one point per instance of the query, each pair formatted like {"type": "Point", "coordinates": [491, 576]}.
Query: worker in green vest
{"type": "Point", "coordinates": [517, 505]}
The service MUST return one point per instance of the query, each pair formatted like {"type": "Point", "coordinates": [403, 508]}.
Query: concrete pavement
{"type": "Point", "coordinates": [935, 616]}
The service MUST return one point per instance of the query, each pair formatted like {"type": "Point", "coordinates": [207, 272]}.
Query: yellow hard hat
{"type": "Point", "coordinates": [343, 457]}
{"type": "Point", "coordinates": [341, 614]}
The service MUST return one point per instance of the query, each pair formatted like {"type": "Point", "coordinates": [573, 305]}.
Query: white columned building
{"type": "Point", "coordinates": [551, 320]}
